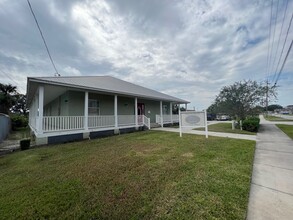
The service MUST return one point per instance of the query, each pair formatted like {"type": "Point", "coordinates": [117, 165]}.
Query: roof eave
{"type": "Point", "coordinates": [37, 80]}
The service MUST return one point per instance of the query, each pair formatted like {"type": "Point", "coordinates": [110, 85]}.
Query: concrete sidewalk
{"type": "Point", "coordinates": [217, 134]}
{"type": "Point", "coordinates": [9, 146]}
{"type": "Point", "coordinates": [271, 193]}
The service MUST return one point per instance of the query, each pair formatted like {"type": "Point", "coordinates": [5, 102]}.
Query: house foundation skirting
{"type": "Point", "coordinates": [78, 135]}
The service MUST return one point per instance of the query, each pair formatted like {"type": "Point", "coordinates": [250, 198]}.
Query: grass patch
{"type": "Point", "coordinates": [226, 128]}
{"type": "Point", "coordinates": [143, 175]}
{"type": "Point", "coordinates": [275, 118]}
{"type": "Point", "coordinates": [287, 129]}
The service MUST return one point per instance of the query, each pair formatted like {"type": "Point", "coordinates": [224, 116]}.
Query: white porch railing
{"type": "Point", "coordinates": [68, 123]}
{"type": "Point", "coordinates": [60, 123]}
{"type": "Point", "coordinates": [126, 120]}
{"type": "Point", "coordinates": [104, 121]}
{"type": "Point", "coordinates": [167, 119]}
{"type": "Point", "coordinates": [146, 121]}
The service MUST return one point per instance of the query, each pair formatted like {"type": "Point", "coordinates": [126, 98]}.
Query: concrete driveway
{"type": "Point", "coordinates": [271, 193]}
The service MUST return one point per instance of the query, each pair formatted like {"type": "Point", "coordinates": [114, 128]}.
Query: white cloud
{"type": "Point", "coordinates": [188, 49]}
{"type": "Point", "coordinates": [71, 71]}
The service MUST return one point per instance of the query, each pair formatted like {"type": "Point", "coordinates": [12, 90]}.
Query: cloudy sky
{"type": "Point", "coordinates": [186, 48]}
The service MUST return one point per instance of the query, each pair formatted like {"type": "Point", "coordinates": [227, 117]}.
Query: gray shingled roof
{"type": "Point", "coordinates": [105, 84]}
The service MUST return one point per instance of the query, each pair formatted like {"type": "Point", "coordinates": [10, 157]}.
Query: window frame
{"type": "Point", "coordinates": [95, 109]}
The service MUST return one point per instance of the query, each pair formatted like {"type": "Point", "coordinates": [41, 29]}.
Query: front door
{"type": "Point", "coordinates": [140, 108]}
{"type": "Point", "coordinates": [140, 112]}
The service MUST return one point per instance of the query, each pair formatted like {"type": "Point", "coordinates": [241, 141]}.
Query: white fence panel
{"type": "Point", "coordinates": [61, 123]}
{"type": "Point", "coordinates": [104, 121]}
{"type": "Point", "coordinates": [126, 120]}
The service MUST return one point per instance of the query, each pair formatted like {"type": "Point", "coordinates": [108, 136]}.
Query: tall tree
{"type": "Point", "coordinates": [274, 107]}
{"type": "Point", "coordinates": [240, 99]}
{"type": "Point", "coordinates": [7, 99]}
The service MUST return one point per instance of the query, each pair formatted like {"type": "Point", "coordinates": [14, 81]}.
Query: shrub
{"type": "Point", "coordinates": [18, 121]}
{"type": "Point", "coordinates": [251, 124]}
{"type": "Point", "coordinates": [25, 144]}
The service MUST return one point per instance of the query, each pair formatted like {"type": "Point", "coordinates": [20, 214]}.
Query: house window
{"type": "Point", "coordinates": [94, 107]}
{"type": "Point", "coordinates": [165, 109]}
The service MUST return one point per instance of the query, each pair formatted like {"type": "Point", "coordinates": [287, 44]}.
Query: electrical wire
{"type": "Point", "coordinates": [284, 62]}
{"type": "Point", "coordinates": [273, 41]}
{"type": "Point", "coordinates": [269, 43]}
{"type": "Point", "coordinates": [43, 37]}
{"type": "Point", "coordinates": [279, 40]}
{"type": "Point", "coordinates": [9, 77]}
{"type": "Point", "coordinates": [283, 50]}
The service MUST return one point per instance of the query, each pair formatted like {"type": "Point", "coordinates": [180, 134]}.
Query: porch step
{"type": "Point", "coordinates": [155, 125]}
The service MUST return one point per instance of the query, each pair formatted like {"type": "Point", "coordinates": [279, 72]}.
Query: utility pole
{"type": "Point", "coordinates": [267, 97]}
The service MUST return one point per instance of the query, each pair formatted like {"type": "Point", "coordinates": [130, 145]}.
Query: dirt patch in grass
{"type": "Point", "coordinates": [189, 154]}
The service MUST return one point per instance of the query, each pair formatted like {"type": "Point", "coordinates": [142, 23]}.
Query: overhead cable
{"type": "Point", "coordinates": [56, 71]}
{"type": "Point", "coordinates": [280, 72]}
{"type": "Point", "coordinates": [283, 49]}
{"type": "Point", "coordinates": [281, 31]}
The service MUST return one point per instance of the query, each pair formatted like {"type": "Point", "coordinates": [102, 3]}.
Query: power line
{"type": "Point", "coordinates": [273, 41]}
{"type": "Point", "coordinates": [8, 76]}
{"type": "Point", "coordinates": [42, 37]}
{"type": "Point", "coordinates": [19, 85]}
{"type": "Point", "coordinates": [267, 72]}
{"type": "Point", "coordinates": [288, 52]}
{"type": "Point", "coordinates": [279, 39]}
{"type": "Point", "coordinates": [283, 49]}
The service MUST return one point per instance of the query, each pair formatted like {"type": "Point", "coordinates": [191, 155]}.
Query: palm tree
{"type": "Point", "coordinates": [7, 93]}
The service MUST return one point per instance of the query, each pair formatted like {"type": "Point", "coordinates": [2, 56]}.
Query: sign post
{"type": "Point", "coordinates": [206, 123]}
{"type": "Point", "coordinates": [180, 126]}
{"type": "Point", "coordinates": [193, 119]}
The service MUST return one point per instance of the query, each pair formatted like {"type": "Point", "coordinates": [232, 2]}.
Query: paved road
{"type": "Point", "coordinates": [271, 193]}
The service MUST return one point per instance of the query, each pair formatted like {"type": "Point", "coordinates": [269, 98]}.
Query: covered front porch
{"type": "Point", "coordinates": [60, 111]}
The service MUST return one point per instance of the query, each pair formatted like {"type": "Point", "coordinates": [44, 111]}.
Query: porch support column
{"type": "Point", "coordinates": [185, 106]}
{"type": "Point", "coordinates": [116, 111]}
{"type": "Point", "coordinates": [161, 113]}
{"type": "Point", "coordinates": [135, 112]}
{"type": "Point", "coordinates": [171, 113]}
{"type": "Point", "coordinates": [86, 110]}
{"type": "Point", "coordinates": [41, 109]}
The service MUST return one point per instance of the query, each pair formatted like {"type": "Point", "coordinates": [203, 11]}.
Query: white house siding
{"type": "Point", "coordinates": [151, 108]}
{"type": "Point", "coordinates": [125, 106]}
{"type": "Point", "coordinates": [75, 103]}
{"type": "Point", "coordinates": [71, 103]}
{"type": "Point", "coordinates": [106, 103]}
{"type": "Point", "coordinates": [57, 107]}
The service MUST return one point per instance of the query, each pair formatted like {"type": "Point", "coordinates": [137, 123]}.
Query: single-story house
{"type": "Point", "coordinates": [63, 109]}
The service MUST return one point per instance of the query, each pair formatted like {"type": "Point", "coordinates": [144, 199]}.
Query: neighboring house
{"type": "Point", "coordinates": [63, 109]}
{"type": "Point", "coordinates": [5, 126]}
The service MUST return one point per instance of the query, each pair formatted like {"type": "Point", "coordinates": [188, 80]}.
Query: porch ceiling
{"type": "Point", "coordinates": [52, 92]}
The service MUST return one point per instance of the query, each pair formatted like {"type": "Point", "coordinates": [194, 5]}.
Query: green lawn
{"type": "Point", "coordinates": [143, 175]}
{"type": "Point", "coordinates": [275, 118]}
{"type": "Point", "coordinates": [226, 128]}
{"type": "Point", "coordinates": [287, 129]}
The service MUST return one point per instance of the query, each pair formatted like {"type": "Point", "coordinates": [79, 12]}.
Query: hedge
{"type": "Point", "coordinates": [251, 124]}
